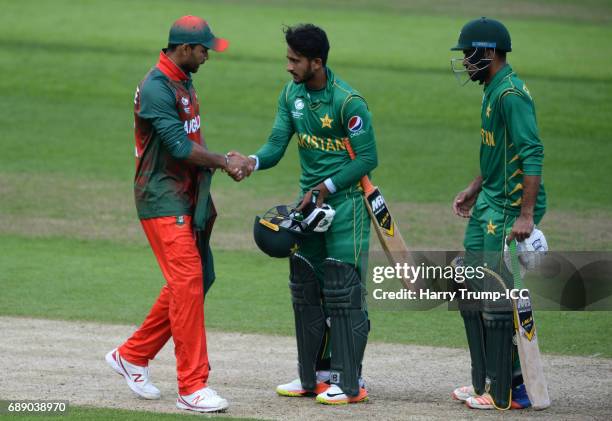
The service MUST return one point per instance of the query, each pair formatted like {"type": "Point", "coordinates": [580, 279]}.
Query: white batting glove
{"type": "Point", "coordinates": [530, 251]}
{"type": "Point", "coordinates": [320, 219]}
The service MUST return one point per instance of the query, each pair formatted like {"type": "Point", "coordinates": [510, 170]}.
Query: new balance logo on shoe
{"type": "Point", "coordinates": [203, 400]}
{"type": "Point", "coordinates": [136, 377]}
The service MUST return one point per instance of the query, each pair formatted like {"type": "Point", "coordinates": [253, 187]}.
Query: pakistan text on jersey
{"type": "Point", "coordinates": [325, 144]}
{"type": "Point", "coordinates": [193, 125]}
{"type": "Point", "coordinates": [487, 137]}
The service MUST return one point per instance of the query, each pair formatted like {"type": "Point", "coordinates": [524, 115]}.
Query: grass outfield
{"type": "Point", "coordinates": [117, 283]}
{"type": "Point", "coordinates": [71, 247]}
{"type": "Point", "coordinates": [87, 413]}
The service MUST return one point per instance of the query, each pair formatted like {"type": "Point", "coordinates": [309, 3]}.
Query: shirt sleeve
{"type": "Point", "coordinates": [282, 130]}
{"type": "Point", "coordinates": [520, 118]}
{"type": "Point", "coordinates": [357, 123]}
{"type": "Point", "coordinates": [158, 105]}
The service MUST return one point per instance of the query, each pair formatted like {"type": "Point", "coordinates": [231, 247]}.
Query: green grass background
{"type": "Point", "coordinates": [71, 246]}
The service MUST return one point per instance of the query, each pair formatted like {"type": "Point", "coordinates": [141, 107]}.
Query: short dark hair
{"type": "Point", "coordinates": [308, 40]}
{"type": "Point", "coordinates": [172, 47]}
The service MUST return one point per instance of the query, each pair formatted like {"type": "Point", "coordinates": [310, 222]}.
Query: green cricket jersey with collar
{"type": "Point", "coordinates": [510, 149]}
{"type": "Point", "coordinates": [510, 145]}
{"type": "Point", "coordinates": [321, 121]}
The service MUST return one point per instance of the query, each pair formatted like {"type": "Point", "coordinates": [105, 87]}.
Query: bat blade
{"type": "Point", "coordinates": [529, 353]}
{"type": "Point", "coordinates": [527, 340]}
{"type": "Point", "coordinates": [388, 233]}
{"type": "Point", "coordinates": [527, 343]}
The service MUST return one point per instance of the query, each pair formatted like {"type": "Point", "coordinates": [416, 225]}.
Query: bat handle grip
{"type": "Point", "coordinates": [366, 184]}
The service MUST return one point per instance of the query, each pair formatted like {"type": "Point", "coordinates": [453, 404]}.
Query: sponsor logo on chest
{"type": "Point", "coordinates": [192, 125]}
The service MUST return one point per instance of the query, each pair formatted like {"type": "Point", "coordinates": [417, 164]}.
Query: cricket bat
{"type": "Point", "coordinates": [387, 231]}
{"type": "Point", "coordinates": [527, 341]}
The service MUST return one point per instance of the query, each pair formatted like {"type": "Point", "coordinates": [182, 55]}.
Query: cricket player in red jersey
{"type": "Point", "coordinates": [171, 187]}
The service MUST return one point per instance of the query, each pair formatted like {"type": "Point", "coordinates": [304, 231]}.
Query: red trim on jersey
{"type": "Point", "coordinates": [170, 69]}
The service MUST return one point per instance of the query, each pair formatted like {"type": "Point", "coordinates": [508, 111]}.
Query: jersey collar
{"type": "Point", "coordinates": [499, 76]}
{"type": "Point", "coordinates": [326, 94]}
{"type": "Point", "coordinates": [170, 69]}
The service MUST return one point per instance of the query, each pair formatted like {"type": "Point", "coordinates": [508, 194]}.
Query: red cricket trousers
{"type": "Point", "coordinates": [179, 309]}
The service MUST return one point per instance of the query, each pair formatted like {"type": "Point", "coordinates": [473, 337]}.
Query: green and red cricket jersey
{"type": "Point", "coordinates": [166, 122]}
{"type": "Point", "coordinates": [510, 145]}
{"type": "Point", "coordinates": [322, 120]}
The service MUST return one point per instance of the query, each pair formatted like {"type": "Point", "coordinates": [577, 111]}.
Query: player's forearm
{"type": "Point", "coordinates": [204, 158]}
{"type": "Point", "coordinates": [268, 157]}
{"type": "Point", "coordinates": [531, 187]}
{"type": "Point", "coordinates": [173, 137]}
{"type": "Point", "coordinates": [475, 186]}
{"type": "Point", "coordinates": [366, 159]}
{"type": "Point", "coordinates": [355, 170]}
{"type": "Point", "coordinates": [273, 150]}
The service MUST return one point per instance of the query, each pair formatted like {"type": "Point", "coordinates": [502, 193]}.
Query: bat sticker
{"type": "Point", "coordinates": [525, 316]}
{"type": "Point", "coordinates": [381, 213]}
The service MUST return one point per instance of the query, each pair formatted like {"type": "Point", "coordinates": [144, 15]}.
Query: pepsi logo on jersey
{"type": "Point", "coordinates": [355, 126]}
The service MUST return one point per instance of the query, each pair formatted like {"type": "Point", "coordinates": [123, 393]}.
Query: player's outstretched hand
{"type": "Point", "coordinates": [239, 166]}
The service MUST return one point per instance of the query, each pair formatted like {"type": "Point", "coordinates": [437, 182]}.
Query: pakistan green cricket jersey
{"type": "Point", "coordinates": [322, 121]}
{"type": "Point", "coordinates": [510, 146]}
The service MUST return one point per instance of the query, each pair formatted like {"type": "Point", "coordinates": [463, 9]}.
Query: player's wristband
{"type": "Point", "coordinates": [256, 161]}
{"type": "Point", "coordinates": [226, 162]}
{"type": "Point", "coordinates": [330, 185]}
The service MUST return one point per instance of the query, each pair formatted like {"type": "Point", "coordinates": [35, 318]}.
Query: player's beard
{"type": "Point", "coordinates": [196, 66]}
{"type": "Point", "coordinates": [190, 68]}
{"type": "Point", "coordinates": [478, 75]}
{"type": "Point", "coordinates": [478, 66]}
{"type": "Point", "coordinates": [308, 75]}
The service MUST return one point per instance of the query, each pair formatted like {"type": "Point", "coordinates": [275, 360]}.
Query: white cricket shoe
{"type": "Point", "coordinates": [295, 389]}
{"type": "Point", "coordinates": [480, 402]}
{"type": "Point", "coordinates": [204, 400]}
{"type": "Point", "coordinates": [335, 396]}
{"type": "Point", "coordinates": [137, 377]}
{"type": "Point", "coordinates": [463, 393]}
